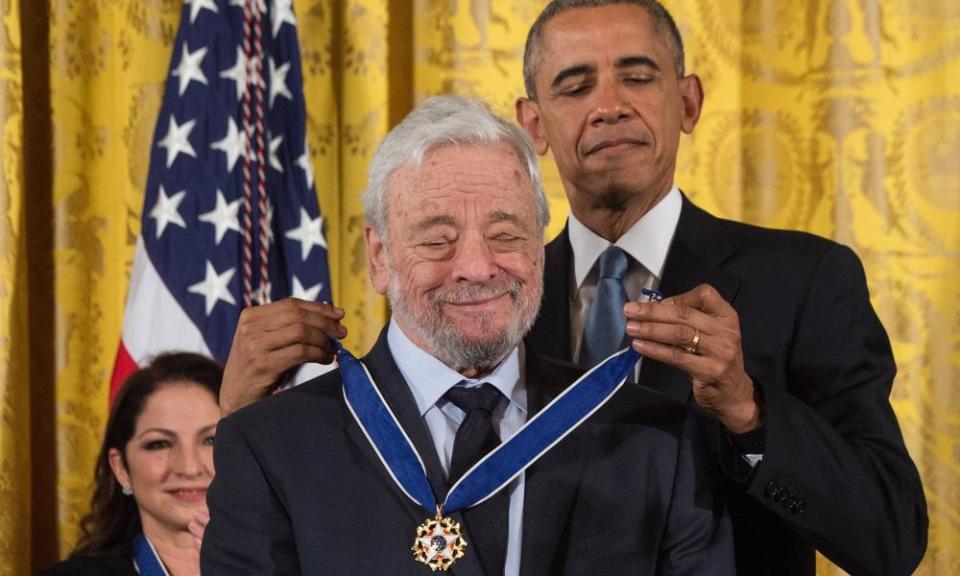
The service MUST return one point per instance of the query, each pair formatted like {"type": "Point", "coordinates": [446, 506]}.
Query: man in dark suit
{"type": "Point", "coordinates": [455, 216]}
{"type": "Point", "coordinates": [769, 333]}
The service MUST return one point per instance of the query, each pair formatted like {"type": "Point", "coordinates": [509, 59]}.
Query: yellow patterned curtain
{"type": "Point", "coordinates": [15, 489]}
{"type": "Point", "coordinates": [840, 117]}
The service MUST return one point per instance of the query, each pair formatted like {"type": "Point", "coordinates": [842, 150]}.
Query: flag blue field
{"type": "Point", "coordinates": [193, 270]}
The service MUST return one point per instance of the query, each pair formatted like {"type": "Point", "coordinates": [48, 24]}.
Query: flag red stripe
{"type": "Point", "coordinates": [122, 367]}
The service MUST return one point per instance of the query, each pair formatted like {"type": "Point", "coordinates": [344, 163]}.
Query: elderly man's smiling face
{"type": "Point", "coordinates": [463, 260]}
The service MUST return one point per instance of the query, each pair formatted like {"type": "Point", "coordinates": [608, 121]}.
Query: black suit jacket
{"type": "Point", "coordinates": [92, 566]}
{"type": "Point", "coordinates": [836, 475]}
{"type": "Point", "coordinates": [299, 490]}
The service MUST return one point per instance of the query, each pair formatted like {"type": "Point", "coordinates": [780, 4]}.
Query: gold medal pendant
{"type": "Point", "coordinates": [438, 543]}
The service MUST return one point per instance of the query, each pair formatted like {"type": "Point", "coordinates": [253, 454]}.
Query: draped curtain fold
{"type": "Point", "coordinates": [15, 441]}
{"type": "Point", "coordinates": [838, 117]}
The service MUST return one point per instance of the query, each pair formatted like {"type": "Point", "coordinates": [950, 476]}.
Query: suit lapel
{"type": "Point", "coordinates": [397, 393]}
{"type": "Point", "coordinates": [551, 483]}
{"type": "Point", "coordinates": [699, 248]}
{"type": "Point", "coordinates": [399, 398]}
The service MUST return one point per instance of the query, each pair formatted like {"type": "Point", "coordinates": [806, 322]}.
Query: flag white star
{"type": "Point", "coordinates": [306, 164]}
{"type": "Point", "coordinates": [189, 67]}
{"type": "Point", "coordinates": [278, 81]}
{"type": "Point", "coordinates": [167, 210]}
{"type": "Point", "coordinates": [224, 217]}
{"type": "Point", "coordinates": [308, 234]}
{"type": "Point", "coordinates": [214, 287]}
{"type": "Point", "coordinates": [274, 159]}
{"type": "Point", "coordinates": [177, 140]}
{"type": "Point", "coordinates": [238, 73]}
{"type": "Point", "coordinates": [282, 12]}
{"type": "Point", "coordinates": [309, 294]}
{"type": "Point", "coordinates": [234, 144]}
{"type": "Point", "coordinates": [197, 5]}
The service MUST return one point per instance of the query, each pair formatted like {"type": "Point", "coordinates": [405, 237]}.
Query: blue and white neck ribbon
{"type": "Point", "coordinates": [145, 558]}
{"type": "Point", "coordinates": [500, 466]}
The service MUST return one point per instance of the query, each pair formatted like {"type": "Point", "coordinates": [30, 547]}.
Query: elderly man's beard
{"type": "Point", "coordinates": [452, 347]}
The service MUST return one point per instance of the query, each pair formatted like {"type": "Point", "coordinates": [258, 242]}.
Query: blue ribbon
{"type": "Point", "coordinates": [499, 467]}
{"type": "Point", "coordinates": [145, 558]}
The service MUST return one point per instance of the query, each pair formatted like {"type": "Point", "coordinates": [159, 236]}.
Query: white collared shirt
{"type": "Point", "coordinates": [430, 379]}
{"type": "Point", "coordinates": [647, 242]}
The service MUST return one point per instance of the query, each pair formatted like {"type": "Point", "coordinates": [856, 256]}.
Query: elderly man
{"type": "Point", "coordinates": [334, 476]}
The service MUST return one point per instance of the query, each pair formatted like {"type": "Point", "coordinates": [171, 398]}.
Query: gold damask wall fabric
{"type": "Point", "coordinates": [839, 117]}
{"type": "Point", "coordinates": [107, 65]}
{"type": "Point", "coordinates": [842, 118]}
{"type": "Point", "coordinates": [15, 489]}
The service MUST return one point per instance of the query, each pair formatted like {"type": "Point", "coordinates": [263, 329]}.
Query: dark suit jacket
{"type": "Point", "coordinates": [92, 566]}
{"type": "Point", "coordinates": [299, 490]}
{"type": "Point", "coordinates": [835, 474]}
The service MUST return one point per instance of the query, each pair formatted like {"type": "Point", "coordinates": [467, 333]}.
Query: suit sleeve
{"type": "Point", "coordinates": [698, 538]}
{"type": "Point", "coordinates": [249, 530]}
{"type": "Point", "coordinates": [835, 468]}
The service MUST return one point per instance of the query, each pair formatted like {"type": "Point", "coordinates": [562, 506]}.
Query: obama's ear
{"type": "Point", "coordinates": [528, 117]}
{"type": "Point", "coordinates": [691, 94]}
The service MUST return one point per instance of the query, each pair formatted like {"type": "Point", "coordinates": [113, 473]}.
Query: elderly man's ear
{"type": "Point", "coordinates": [376, 260]}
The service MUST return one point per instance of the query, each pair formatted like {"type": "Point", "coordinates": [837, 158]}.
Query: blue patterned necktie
{"type": "Point", "coordinates": [603, 333]}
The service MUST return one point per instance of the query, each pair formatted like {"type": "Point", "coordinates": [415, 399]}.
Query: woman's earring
{"type": "Point", "coordinates": [126, 491]}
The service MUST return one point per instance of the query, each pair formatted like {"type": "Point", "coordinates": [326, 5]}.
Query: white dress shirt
{"type": "Point", "coordinates": [429, 379]}
{"type": "Point", "coordinates": [647, 242]}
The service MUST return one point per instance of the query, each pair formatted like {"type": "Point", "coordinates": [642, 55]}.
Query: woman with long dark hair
{"type": "Point", "coordinates": [152, 473]}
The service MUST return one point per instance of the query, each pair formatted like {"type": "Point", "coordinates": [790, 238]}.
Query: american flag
{"type": "Point", "coordinates": [230, 213]}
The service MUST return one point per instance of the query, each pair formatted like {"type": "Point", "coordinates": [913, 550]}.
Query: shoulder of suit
{"type": "Point", "coordinates": [791, 247]}
{"type": "Point", "coordinates": [319, 399]}
{"type": "Point", "coordinates": [794, 238]}
{"type": "Point", "coordinates": [632, 404]}
{"type": "Point", "coordinates": [637, 405]}
{"type": "Point", "coordinates": [555, 375]}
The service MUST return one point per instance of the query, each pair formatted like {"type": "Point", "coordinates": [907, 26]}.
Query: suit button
{"type": "Point", "coordinates": [781, 495]}
{"type": "Point", "coordinates": [798, 506]}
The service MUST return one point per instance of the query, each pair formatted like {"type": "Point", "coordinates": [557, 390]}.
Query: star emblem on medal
{"type": "Point", "coordinates": [439, 543]}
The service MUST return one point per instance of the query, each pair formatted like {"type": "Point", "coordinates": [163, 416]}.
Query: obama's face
{"type": "Point", "coordinates": [609, 104]}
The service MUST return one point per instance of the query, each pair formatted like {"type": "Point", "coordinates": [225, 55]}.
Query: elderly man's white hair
{"type": "Point", "coordinates": [444, 121]}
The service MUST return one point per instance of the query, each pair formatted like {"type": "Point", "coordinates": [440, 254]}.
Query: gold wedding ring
{"type": "Point", "coordinates": [694, 343]}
